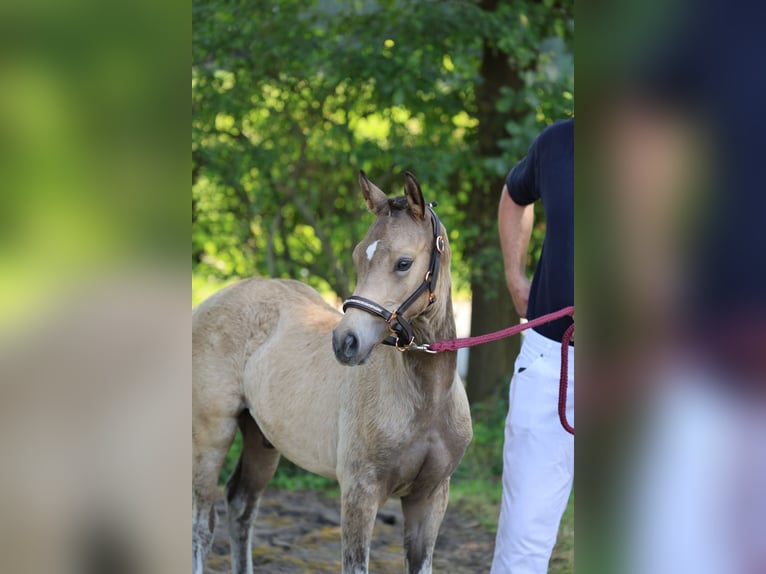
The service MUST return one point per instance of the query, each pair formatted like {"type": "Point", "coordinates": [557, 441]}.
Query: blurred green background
{"type": "Point", "coordinates": [90, 147]}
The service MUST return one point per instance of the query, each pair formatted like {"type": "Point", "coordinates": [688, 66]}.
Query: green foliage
{"type": "Point", "coordinates": [204, 286]}
{"type": "Point", "coordinates": [476, 485]}
{"type": "Point", "coordinates": [484, 457]}
{"type": "Point", "coordinates": [291, 477]}
{"type": "Point", "coordinates": [290, 99]}
{"type": "Point", "coordinates": [231, 459]}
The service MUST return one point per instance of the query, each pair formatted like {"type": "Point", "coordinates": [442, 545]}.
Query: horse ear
{"type": "Point", "coordinates": [377, 202]}
{"type": "Point", "coordinates": [414, 196]}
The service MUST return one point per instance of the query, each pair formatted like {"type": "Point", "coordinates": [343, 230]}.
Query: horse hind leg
{"type": "Point", "coordinates": [423, 514]}
{"type": "Point", "coordinates": [257, 465]}
{"type": "Point", "coordinates": [211, 439]}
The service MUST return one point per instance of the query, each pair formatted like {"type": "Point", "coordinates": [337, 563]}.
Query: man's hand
{"type": "Point", "coordinates": [519, 286]}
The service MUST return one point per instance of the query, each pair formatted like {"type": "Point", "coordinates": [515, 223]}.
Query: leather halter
{"type": "Point", "coordinates": [401, 335]}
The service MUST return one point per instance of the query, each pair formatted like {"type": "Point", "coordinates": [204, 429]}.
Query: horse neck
{"type": "Point", "coordinates": [437, 323]}
{"type": "Point", "coordinates": [435, 373]}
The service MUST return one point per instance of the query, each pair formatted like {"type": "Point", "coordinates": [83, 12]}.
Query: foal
{"type": "Point", "coordinates": [271, 357]}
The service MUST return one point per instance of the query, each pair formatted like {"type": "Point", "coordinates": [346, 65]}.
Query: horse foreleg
{"type": "Point", "coordinates": [257, 465]}
{"type": "Point", "coordinates": [359, 506]}
{"type": "Point", "coordinates": [423, 514]}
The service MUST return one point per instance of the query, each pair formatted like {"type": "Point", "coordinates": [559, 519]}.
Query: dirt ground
{"type": "Point", "coordinates": [299, 532]}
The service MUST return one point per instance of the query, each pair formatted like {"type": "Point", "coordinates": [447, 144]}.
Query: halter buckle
{"type": "Point", "coordinates": [391, 320]}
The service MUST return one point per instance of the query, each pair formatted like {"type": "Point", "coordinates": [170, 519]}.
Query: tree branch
{"type": "Point", "coordinates": [270, 259]}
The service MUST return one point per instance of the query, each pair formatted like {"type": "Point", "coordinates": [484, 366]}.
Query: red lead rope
{"type": "Point", "coordinates": [455, 344]}
{"type": "Point", "coordinates": [563, 381]}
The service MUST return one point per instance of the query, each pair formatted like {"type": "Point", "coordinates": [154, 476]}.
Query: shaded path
{"type": "Point", "coordinates": [299, 532]}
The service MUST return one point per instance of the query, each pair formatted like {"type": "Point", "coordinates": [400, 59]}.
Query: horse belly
{"type": "Point", "coordinates": [294, 400]}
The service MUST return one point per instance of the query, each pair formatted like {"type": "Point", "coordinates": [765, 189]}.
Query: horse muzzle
{"type": "Point", "coordinates": [356, 335]}
{"type": "Point", "coordinates": [348, 348]}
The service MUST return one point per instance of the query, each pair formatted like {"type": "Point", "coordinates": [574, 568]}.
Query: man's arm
{"type": "Point", "coordinates": [515, 228]}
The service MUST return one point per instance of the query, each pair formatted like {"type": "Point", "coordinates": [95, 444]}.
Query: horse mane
{"type": "Point", "coordinates": [398, 203]}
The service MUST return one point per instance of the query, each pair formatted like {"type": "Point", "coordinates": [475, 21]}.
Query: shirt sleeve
{"type": "Point", "coordinates": [522, 179]}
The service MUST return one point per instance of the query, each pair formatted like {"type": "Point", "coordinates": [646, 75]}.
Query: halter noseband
{"type": "Point", "coordinates": [401, 335]}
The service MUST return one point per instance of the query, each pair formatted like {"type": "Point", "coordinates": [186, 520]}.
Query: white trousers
{"type": "Point", "coordinates": [694, 497]}
{"type": "Point", "coordinates": [538, 459]}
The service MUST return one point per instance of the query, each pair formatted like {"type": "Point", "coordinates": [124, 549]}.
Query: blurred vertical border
{"type": "Point", "coordinates": [670, 287]}
{"type": "Point", "coordinates": [94, 321]}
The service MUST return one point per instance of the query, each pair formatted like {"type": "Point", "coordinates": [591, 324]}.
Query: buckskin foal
{"type": "Point", "coordinates": [302, 380]}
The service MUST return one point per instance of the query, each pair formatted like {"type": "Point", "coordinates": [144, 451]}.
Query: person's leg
{"type": "Point", "coordinates": [683, 477]}
{"type": "Point", "coordinates": [538, 460]}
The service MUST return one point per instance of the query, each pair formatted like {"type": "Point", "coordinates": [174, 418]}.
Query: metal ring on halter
{"type": "Point", "coordinates": [405, 347]}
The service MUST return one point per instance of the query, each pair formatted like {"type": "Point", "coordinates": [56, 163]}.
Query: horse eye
{"type": "Point", "coordinates": [403, 264]}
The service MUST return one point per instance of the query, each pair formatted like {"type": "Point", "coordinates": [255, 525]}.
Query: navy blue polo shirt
{"type": "Point", "coordinates": [547, 174]}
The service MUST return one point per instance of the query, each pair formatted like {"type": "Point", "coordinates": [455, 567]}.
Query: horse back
{"type": "Point", "coordinates": [230, 325]}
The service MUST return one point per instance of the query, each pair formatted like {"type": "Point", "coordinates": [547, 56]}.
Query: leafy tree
{"type": "Point", "coordinates": [525, 81]}
{"type": "Point", "coordinates": [290, 99]}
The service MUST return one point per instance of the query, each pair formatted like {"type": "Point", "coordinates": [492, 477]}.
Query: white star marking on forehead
{"type": "Point", "coordinates": [371, 250]}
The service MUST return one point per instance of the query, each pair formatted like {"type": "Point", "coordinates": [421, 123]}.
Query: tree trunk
{"type": "Point", "coordinates": [490, 365]}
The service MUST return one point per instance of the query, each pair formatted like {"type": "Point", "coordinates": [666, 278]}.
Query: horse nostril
{"type": "Point", "coordinates": [350, 345]}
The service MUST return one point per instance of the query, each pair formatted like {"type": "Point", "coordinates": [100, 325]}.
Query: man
{"type": "Point", "coordinates": [538, 454]}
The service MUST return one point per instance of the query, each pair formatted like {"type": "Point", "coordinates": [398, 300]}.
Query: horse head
{"type": "Point", "coordinates": [397, 265]}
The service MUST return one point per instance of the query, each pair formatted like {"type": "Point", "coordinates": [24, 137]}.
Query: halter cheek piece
{"type": "Point", "coordinates": [401, 335]}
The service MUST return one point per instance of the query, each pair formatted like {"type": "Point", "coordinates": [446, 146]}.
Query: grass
{"type": "Point", "coordinates": [480, 499]}
{"type": "Point", "coordinates": [562, 558]}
